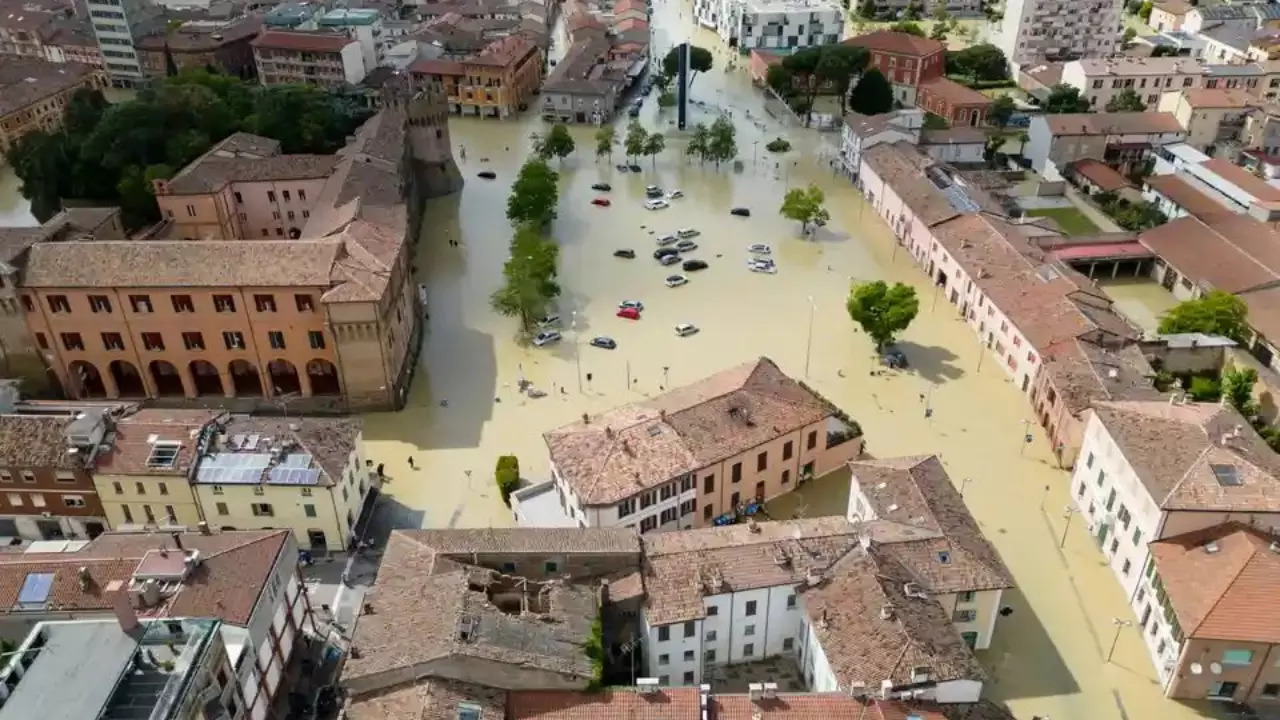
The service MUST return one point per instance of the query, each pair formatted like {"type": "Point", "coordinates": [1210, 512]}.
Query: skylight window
{"type": "Point", "coordinates": [163, 455]}
{"type": "Point", "coordinates": [1226, 475]}
{"type": "Point", "coordinates": [468, 711]}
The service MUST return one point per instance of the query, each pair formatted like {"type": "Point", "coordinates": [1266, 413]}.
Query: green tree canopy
{"type": "Point", "coordinates": [605, 138]}
{"type": "Point", "coordinates": [699, 143]}
{"type": "Point", "coordinates": [722, 143]}
{"type": "Point", "coordinates": [872, 95]}
{"type": "Point", "coordinates": [557, 143]}
{"type": "Point", "coordinates": [1002, 110]}
{"type": "Point", "coordinates": [804, 205]}
{"type": "Point", "coordinates": [1144, 10]}
{"type": "Point", "coordinates": [106, 153]}
{"type": "Point", "coordinates": [867, 9]}
{"type": "Point", "coordinates": [908, 27]}
{"type": "Point", "coordinates": [700, 60]}
{"type": "Point", "coordinates": [1215, 313]}
{"type": "Point", "coordinates": [1237, 388]}
{"type": "Point", "coordinates": [981, 62]}
{"type": "Point", "coordinates": [529, 284]}
{"type": "Point", "coordinates": [826, 67]}
{"type": "Point", "coordinates": [634, 140]}
{"type": "Point", "coordinates": [1065, 99]}
{"type": "Point", "coordinates": [883, 310]}
{"type": "Point", "coordinates": [534, 195]}
{"type": "Point", "coordinates": [654, 144]}
{"type": "Point", "coordinates": [1126, 101]}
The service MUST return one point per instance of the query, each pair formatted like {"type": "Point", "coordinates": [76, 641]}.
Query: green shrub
{"type": "Point", "coordinates": [778, 145]}
{"type": "Point", "coordinates": [507, 476]}
{"type": "Point", "coordinates": [1205, 389]}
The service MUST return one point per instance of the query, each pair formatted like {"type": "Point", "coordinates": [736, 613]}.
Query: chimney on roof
{"type": "Point", "coordinates": [204, 528]}
{"type": "Point", "coordinates": [177, 540]}
{"type": "Point", "coordinates": [608, 431]}
{"type": "Point", "coordinates": [124, 612]}
{"type": "Point", "coordinates": [822, 619]}
{"type": "Point", "coordinates": [886, 612]}
{"type": "Point", "coordinates": [1274, 547]}
{"type": "Point", "coordinates": [85, 578]}
{"type": "Point", "coordinates": [586, 419]}
{"type": "Point", "coordinates": [662, 414]}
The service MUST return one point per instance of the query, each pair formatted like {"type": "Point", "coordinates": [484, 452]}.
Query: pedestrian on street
{"type": "Point", "coordinates": [381, 468]}
{"type": "Point", "coordinates": [411, 466]}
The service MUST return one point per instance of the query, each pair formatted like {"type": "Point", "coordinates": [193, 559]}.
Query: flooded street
{"type": "Point", "coordinates": [1142, 301]}
{"type": "Point", "coordinates": [15, 211]}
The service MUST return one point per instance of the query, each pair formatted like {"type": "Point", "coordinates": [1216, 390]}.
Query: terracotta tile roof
{"type": "Point", "coordinates": [681, 568]}
{"type": "Point", "coordinates": [635, 447]}
{"type": "Point", "coordinates": [317, 42]}
{"type": "Point", "coordinates": [435, 699]}
{"type": "Point", "coordinates": [165, 263]}
{"type": "Point", "coordinates": [329, 440]}
{"type": "Point", "coordinates": [902, 168]}
{"type": "Point", "coordinates": [504, 51]}
{"type": "Point", "coordinates": [1100, 174]}
{"type": "Point", "coordinates": [236, 567]}
{"type": "Point", "coordinates": [666, 704]}
{"type": "Point", "coordinates": [957, 135]}
{"type": "Point", "coordinates": [1218, 98]}
{"type": "Point", "coordinates": [133, 441]}
{"type": "Point", "coordinates": [897, 43]}
{"type": "Point", "coordinates": [1243, 179]}
{"type": "Point", "coordinates": [538, 541]}
{"type": "Point", "coordinates": [37, 441]}
{"type": "Point", "coordinates": [1083, 373]}
{"type": "Point", "coordinates": [1226, 594]}
{"type": "Point", "coordinates": [1174, 450]}
{"type": "Point", "coordinates": [917, 493]}
{"type": "Point", "coordinates": [1114, 123]}
{"type": "Point", "coordinates": [24, 81]}
{"type": "Point", "coordinates": [861, 646]}
{"type": "Point", "coordinates": [800, 706]}
{"type": "Point", "coordinates": [1182, 194]}
{"type": "Point", "coordinates": [212, 172]}
{"type": "Point", "coordinates": [428, 608]}
{"type": "Point", "coordinates": [953, 92]}
{"type": "Point", "coordinates": [437, 67]}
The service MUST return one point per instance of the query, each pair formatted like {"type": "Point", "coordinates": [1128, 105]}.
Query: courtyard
{"type": "Point", "coordinates": [1048, 655]}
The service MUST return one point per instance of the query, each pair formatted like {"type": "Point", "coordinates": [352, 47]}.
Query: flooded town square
{"type": "Point", "coordinates": [1048, 657]}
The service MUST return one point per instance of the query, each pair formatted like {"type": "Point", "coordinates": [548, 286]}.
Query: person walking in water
{"type": "Point", "coordinates": [411, 466]}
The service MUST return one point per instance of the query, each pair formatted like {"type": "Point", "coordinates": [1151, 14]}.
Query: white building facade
{"type": "Point", "coordinates": [1036, 30]}
{"type": "Point", "coordinates": [772, 24]}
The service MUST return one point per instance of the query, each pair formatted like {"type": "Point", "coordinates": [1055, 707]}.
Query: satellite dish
{"type": "Point", "coordinates": [1215, 668]}
{"type": "Point", "coordinates": [1196, 668]}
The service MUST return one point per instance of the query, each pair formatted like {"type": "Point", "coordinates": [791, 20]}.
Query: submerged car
{"type": "Point", "coordinates": [665, 252]}
{"type": "Point", "coordinates": [666, 239]}
{"type": "Point", "coordinates": [686, 329]}
{"type": "Point", "coordinates": [627, 253]}
{"type": "Point", "coordinates": [762, 267]}
{"type": "Point", "coordinates": [669, 260]}
{"type": "Point", "coordinates": [759, 249]}
{"type": "Point", "coordinates": [487, 174]}
{"type": "Point", "coordinates": [694, 265]}
{"type": "Point", "coordinates": [635, 168]}
{"type": "Point", "coordinates": [656, 205]}
{"type": "Point", "coordinates": [740, 212]}
{"type": "Point", "coordinates": [601, 202]}
{"type": "Point", "coordinates": [546, 337]}
{"type": "Point", "coordinates": [675, 194]}
{"type": "Point", "coordinates": [687, 233]}
{"type": "Point", "coordinates": [893, 358]}
{"type": "Point", "coordinates": [653, 191]}
{"type": "Point", "coordinates": [676, 280]}
{"type": "Point", "coordinates": [629, 313]}
{"type": "Point", "coordinates": [602, 187]}
{"type": "Point", "coordinates": [686, 245]}
{"type": "Point", "coordinates": [631, 304]}
{"type": "Point", "coordinates": [621, 168]}
{"type": "Point", "coordinates": [604, 342]}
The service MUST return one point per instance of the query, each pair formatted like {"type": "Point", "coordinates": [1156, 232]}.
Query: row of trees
{"type": "Point", "coordinates": [110, 153]}
{"type": "Point", "coordinates": [529, 275]}
{"type": "Point", "coordinates": [640, 142]}
{"type": "Point", "coordinates": [717, 142]}
{"type": "Point", "coordinates": [829, 69]}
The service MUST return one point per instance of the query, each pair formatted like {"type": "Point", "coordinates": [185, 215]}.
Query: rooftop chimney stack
{"type": "Point", "coordinates": [177, 541]}
{"type": "Point", "coordinates": [124, 612]}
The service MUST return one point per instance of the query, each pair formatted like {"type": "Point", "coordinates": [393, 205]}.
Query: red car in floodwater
{"type": "Point", "coordinates": [601, 202]}
{"type": "Point", "coordinates": [629, 313]}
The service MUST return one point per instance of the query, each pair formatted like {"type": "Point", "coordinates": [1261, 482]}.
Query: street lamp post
{"type": "Point", "coordinates": [1044, 496]}
{"type": "Point", "coordinates": [755, 151]}
{"type": "Point", "coordinates": [577, 354]}
{"type": "Point", "coordinates": [666, 382]}
{"type": "Point", "coordinates": [1120, 625]}
{"type": "Point", "coordinates": [1026, 426]}
{"type": "Point", "coordinates": [1068, 512]}
{"type": "Point", "coordinates": [808, 348]}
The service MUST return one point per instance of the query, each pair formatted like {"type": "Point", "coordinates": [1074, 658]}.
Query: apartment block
{"type": "Point", "coordinates": [1003, 287]}
{"type": "Point", "coordinates": [945, 549]}
{"type": "Point", "coordinates": [1034, 31]}
{"type": "Point", "coordinates": [223, 45]}
{"type": "Point", "coordinates": [46, 484]}
{"type": "Point", "coordinates": [1101, 80]}
{"type": "Point", "coordinates": [168, 669]}
{"type": "Point", "coordinates": [906, 61]}
{"type": "Point", "coordinates": [772, 24]}
{"type": "Point", "coordinates": [1123, 140]}
{"type": "Point", "coordinates": [248, 581]}
{"type": "Point", "coordinates": [45, 32]}
{"type": "Point", "coordinates": [33, 94]}
{"type": "Point", "coordinates": [118, 25]}
{"type": "Point", "coordinates": [1213, 117]}
{"type": "Point", "coordinates": [309, 475]}
{"type": "Point", "coordinates": [321, 59]}
{"type": "Point", "coordinates": [498, 81]}
{"type": "Point", "coordinates": [707, 453]}
{"type": "Point", "coordinates": [814, 591]}
{"type": "Point", "coordinates": [1156, 484]}
{"type": "Point", "coordinates": [142, 476]}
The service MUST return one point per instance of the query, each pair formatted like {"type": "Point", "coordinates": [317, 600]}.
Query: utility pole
{"type": "Point", "coordinates": [808, 348]}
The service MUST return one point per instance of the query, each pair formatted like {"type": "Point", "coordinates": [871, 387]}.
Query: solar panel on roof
{"type": "Point", "coordinates": [237, 441]}
{"type": "Point", "coordinates": [35, 590]}
{"type": "Point", "coordinates": [297, 460]}
{"type": "Point", "coordinates": [253, 442]}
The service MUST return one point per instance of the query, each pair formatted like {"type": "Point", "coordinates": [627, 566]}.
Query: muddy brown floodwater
{"type": "Point", "coordinates": [15, 211]}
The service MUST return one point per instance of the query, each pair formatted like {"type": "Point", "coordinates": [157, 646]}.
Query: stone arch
{"type": "Point", "coordinates": [284, 377]}
{"type": "Point", "coordinates": [86, 378]}
{"type": "Point", "coordinates": [205, 377]}
{"type": "Point", "coordinates": [127, 379]}
{"type": "Point", "coordinates": [166, 378]}
{"type": "Point", "coordinates": [322, 376]}
{"type": "Point", "coordinates": [245, 378]}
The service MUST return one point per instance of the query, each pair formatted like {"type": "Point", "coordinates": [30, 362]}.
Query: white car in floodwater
{"type": "Point", "coordinates": [762, 266]}
{"type": "Point", "coordinates": [685, 329]}
{"type": "Point", "coordinates": [546, 337]}
{"type": "Point", "coordinates": [656, 205]}
{"type": "Point", "coordinates": [759, 249]}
